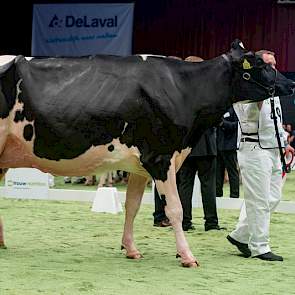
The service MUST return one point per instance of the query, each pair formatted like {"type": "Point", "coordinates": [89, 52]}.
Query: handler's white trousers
{"type": "Point", "coordinates": [262, 183]}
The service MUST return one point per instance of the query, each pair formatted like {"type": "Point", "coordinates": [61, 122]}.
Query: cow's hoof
{"type": "Point", "coordinates": [188, 264]}
{"type": "Point", "coordinates": [193, 264]}
{"type": "Point", "coordinates": [2, 246]}
{"type": "Point", "coordinates": [132, 254]}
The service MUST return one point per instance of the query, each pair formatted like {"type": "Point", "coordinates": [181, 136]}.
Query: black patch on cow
{"type": "Point", "coordinates": [7, 91]}
{"type": "Point", "coordinates": [111, 148]}
{"type": "Point", "coordinates": [4, 111]}
{"type": "Point", "coordinates": [28, 132]}
{"type": "Point", "coordinates": [163, 200]}
{"type": "Point", "coordinates": [19, 116]}
{"type": "Point", "coordinates": [28, 103]}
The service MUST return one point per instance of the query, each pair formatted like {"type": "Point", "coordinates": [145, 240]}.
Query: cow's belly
{"type": "Point", "coordinates": [96, 160]}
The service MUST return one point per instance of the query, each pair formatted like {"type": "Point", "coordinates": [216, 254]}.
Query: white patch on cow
{"type": "Point", "coordinates": [96, 160]}
{"type": "Point", "coordinates": [180, 157]}
{"type": "Point", "coordinates": [5, 59]}
{"type": "Point", "coordinates": [121, 158]}
{"type": "Point", "coordinates": [17, 128]}
{"type": "Point", "coordinates": [125, 125]}
{"type": "Point", "coordinates": [145, 56]}
{"type": "Point", "coordinates": [241, 45]}
{"type": "Point", "coordinates": [18, 90]}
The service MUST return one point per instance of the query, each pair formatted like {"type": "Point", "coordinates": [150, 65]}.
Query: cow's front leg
{"type": "Point", "coordinates": [135, 190]}
{"type": "Point", "coordinates": [174, 212]}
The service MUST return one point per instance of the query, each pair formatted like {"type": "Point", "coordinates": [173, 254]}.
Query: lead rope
{"type": "Point", "coordinates": [286, 168]}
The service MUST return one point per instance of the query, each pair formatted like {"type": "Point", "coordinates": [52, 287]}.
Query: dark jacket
{"type": "Point", "coordinates": [227, 132]}
{"type": "Point", "coordinates": [206, 145]}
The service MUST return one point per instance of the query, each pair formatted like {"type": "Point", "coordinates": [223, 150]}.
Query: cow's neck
{"type": "Point", "coordinates": [210, 94]}
{"type": "Point", "coordinates": [210, 87]}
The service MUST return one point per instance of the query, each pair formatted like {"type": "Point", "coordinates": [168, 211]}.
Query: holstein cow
{"type": "Point", "coordinates": [81, 116]}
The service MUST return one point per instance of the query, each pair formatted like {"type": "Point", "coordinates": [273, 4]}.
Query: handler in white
{"type": "Point", "coordinates": [261, 170]}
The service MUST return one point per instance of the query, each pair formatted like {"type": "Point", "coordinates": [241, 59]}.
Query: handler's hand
{"type": "Point", "coordinates": [288, 150]}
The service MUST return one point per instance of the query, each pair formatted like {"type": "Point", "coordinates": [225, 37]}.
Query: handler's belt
{"type": "Point", "coordinates": [248, 139]}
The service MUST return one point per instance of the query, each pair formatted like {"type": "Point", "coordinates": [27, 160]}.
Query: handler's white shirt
{"type": "Point", "coordinates": [259, 124]}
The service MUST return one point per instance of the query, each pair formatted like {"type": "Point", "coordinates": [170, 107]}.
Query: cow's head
{"type": "Point", "coordinates": [253, 79]}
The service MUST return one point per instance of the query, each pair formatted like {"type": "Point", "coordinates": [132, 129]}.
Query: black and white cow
{"type": "Point", "coordinates": [81, 116]}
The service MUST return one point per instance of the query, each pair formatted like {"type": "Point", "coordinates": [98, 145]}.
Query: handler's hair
{"type": "Point", "coordinates": [264, 51]}
{"type": "Point", "coordinates": [193, 58]}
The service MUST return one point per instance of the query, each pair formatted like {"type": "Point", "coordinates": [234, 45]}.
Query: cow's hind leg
{"type": "Point", "coordinates": [174, 212]}
{"type": "Point", "coordinates": [2, 244]}
{"type": "Point", "coordinates": [135, 190]}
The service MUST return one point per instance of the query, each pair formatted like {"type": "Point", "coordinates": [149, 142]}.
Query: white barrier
{"type": "Point", "coordinates": [26, 183]}
{"type": "Point", "coordinates": [107, 200]}
{"type": "Point", "coordinates": [88, 196]}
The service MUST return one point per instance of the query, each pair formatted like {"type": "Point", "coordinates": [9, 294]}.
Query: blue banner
{"type": "Point", "coordinates": [82, 29]}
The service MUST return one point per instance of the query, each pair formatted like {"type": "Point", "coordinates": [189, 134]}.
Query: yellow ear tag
{"type": "Point", "coordinates": [246, 65]}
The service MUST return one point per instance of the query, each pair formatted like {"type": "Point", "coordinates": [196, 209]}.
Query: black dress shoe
{"type": "Point", "coordinates": [188, 227]}
{"type": "Point", "coordinates": [243, 248]}
{"type": "Point", "coordinates": [214, 227]}
{"type": "Point", "coordinates": [269, 256]}
{"type": "Point", "coordinates": [162, 223]}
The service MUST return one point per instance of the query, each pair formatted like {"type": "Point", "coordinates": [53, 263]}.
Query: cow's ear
{"type": "Point", "coordinates": [237, 44]}
{"type": "Point", "coordinates": [237, 50]}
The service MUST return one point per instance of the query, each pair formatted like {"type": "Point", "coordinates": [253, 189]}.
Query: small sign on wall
{"type": "Point", "coordinates": [26, 183]}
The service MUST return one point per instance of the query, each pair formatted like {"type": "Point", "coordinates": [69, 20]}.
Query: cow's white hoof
{"type": "Point", "coordinates": [132, 254]}
{"type": "Point", "coordinates": [135, 255]}
{"type": "Point", "coordinates": [192, 264]}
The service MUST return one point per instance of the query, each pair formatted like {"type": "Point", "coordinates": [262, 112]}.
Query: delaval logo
{"type": "Point", "coordinates": [70, 21]}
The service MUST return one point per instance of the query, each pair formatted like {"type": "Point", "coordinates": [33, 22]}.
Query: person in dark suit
{"type": "Point", "coordinates": [227, 133]}
{"type": "Point", "coordinates": [160, 218]}
{"type": "Point", "coordinates": [202, 160]}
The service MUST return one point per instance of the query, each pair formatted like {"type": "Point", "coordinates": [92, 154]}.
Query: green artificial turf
{"type": "Point", "coordinates": [57, 248]}
{"type": "Point", "coordinates": [288, 193]}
